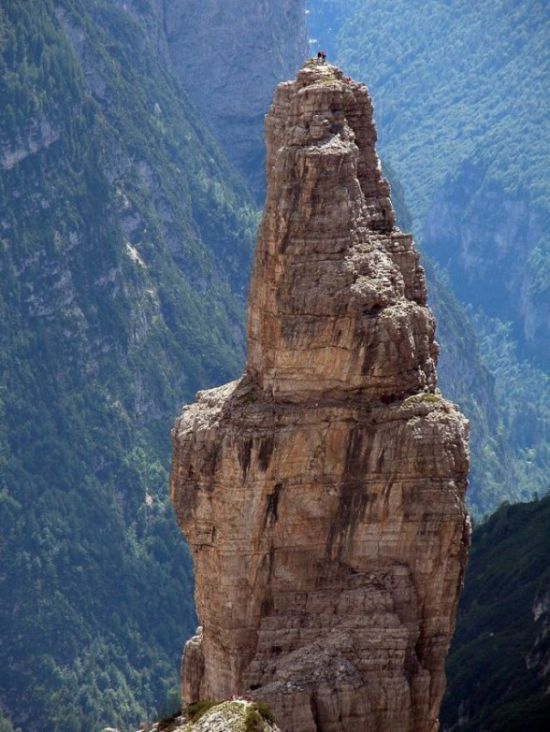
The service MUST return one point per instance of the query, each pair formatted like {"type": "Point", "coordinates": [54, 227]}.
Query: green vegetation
{"type": "Point", "coordinates": [496, 668]}
{"type": "Point", "coordinates": [265, 711]}
{"type": "Point", "coordinates": [125, 243]}
{"type": "Point", "coordinates": [523, 393]}
{"type": "Point", "coordinates": [170, 707]}
{"type": "Point", "coordinates": [453, 77]}
{"type": "Point", "coordinates": [197, 709]}
{"type": "Point", "coordinates": [464, 378]}
{"type": "Point", "coordinates": [253, 722]}
{"type": "Point", "coordinates": [426, 398]}
{"type": "Point", "coordinates": [236, 714]}
{"type": "Point", "coordinates": [6, 725]}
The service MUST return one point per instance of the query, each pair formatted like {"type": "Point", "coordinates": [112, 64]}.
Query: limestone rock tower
{"type": "Point", "coordinates": [322, 494]}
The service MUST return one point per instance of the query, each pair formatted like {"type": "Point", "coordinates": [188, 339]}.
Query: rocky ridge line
{"type": "Point", "coordinates": [322, 494]}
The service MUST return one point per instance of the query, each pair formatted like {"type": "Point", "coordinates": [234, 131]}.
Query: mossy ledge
{"type": "Point", "coordinates": [235, 715]}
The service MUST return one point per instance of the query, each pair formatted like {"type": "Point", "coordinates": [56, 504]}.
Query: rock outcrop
{"type": "Point", "coordinates": [236, 715]}
{"type": "Point", "coordinates": [322, 493]}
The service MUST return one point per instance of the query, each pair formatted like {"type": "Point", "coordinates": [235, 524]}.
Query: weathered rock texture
{"type": "Point", "coordinates": [229, 55]}
{"type": "Point", "coordinates": [322, 493]}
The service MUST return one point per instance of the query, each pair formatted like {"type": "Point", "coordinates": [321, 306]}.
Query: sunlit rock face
{"type": "Point", "coordinates": [322, 494]}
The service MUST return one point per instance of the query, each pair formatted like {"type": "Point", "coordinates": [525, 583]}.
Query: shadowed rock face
{"type": "Point", "coordinates": [322, 495]}
{"type": "Point", "coordinates": [229, 55]}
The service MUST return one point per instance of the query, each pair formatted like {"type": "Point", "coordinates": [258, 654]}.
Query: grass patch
{"type": "Point", "coordinates": [265, 711]}
{"type": "Point", "coordinates": [197, 709]}
{"type": "Point", "coordinates": [422, 399]}
{"type": "Point", "coordinates": [256, 715]}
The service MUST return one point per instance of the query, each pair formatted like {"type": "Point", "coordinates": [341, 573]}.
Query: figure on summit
{"type": "Point", "coordinates": [322, 57]}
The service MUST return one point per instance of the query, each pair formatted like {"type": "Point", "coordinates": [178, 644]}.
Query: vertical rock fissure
{"type": "Point", "coordinates": [315, 712]}
{"type": "Point", "coordinates": [333, 472]}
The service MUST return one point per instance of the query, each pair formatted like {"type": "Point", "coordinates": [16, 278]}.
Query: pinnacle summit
{"type": "Point", "coordinates": [322, 494]}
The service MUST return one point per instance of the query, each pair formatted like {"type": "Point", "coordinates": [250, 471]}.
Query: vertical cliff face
{"type": "Point", "coordinates": [229, 56]}
{"type": "Point", "coordinates": [322, 494]}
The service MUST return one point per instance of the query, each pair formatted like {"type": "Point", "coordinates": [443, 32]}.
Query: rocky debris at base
{"type": "Point", "coordinates": [237, 715]}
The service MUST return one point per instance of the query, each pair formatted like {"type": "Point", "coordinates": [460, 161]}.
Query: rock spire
{"type": "Point", "coordinates": [322, 494]}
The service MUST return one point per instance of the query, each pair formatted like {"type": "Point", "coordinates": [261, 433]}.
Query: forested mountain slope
{"type": "Point", "coordinates": [499, 666]}
{"type": "Point", "coordinates": [124, 253]}
{"type": "Point", "coordinates": [461, 100]}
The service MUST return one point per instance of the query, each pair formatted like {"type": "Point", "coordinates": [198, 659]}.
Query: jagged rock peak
{"type": "Point", "coordinates": [325, 110]}
{"type": "Point", "coordinates": [337, 303]}
{"type": "Point", "coordinates": [322, 494]}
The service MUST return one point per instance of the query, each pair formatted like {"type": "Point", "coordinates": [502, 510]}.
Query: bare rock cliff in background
{"type": "Point", "coordinates": [229, 55]}
{"type": "Point", "coordinates": [322, 494]}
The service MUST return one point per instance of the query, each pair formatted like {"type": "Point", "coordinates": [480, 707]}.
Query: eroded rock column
{"type": "Point", "coordinates": [322, 494]}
